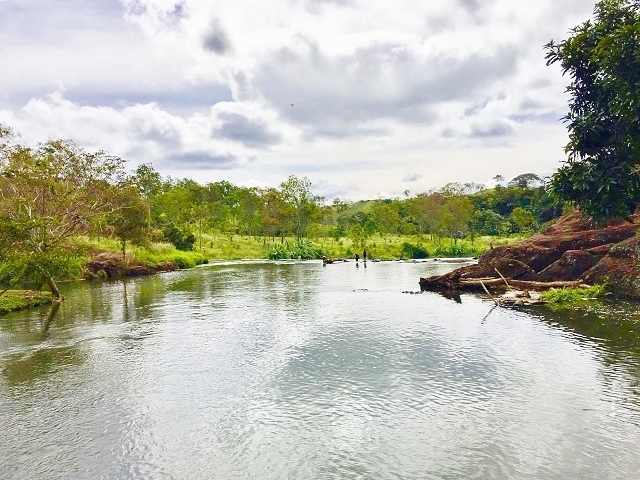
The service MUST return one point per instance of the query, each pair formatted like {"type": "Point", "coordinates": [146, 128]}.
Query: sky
{"type": "Point", "coordinates": [366, 98]}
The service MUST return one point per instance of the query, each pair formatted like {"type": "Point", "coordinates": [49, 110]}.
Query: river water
{"type": "Point", "coordinates": [298, 371]}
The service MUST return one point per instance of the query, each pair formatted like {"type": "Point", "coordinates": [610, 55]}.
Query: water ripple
{"type": "Point", "coordinates": [292, 370]}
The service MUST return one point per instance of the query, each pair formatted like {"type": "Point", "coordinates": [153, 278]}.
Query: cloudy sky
{"type": "Point", "coordinates": [366, 98]}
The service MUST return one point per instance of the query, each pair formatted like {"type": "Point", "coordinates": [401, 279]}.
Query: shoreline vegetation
{"type": "Point", "coordinates": [66, 213]}
{"type": "Point", "coordinates": [15, 300]}
{"type": "Point", "coordinates": [103, 260]}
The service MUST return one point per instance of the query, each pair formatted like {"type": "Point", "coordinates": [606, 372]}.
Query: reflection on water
{"type": "Point", "coordinates": [27, 368]}
{"type": "Point", "coordinates": [292, 370]}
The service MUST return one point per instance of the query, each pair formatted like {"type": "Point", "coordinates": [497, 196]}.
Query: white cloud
{"type": "Point", "coordinates": [447, 90]}
{"type": "Point", "coordinates": [412, 177]}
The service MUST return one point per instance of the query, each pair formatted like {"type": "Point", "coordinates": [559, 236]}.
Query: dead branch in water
{"type": "Point", "coordinates": [525, 284]}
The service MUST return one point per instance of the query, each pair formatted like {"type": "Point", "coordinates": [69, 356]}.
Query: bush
{"type": "Point", "coordinates": [181, 239]}
{"type": "Point", "coordinates": [452, 250]}
{"type": "Point", "coordinates": [298, 249]}
{"type": "Point", "coordinates": [410, 250]}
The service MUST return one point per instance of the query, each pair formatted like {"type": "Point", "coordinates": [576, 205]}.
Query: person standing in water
{"type": "Point", "coordinates": [357, 258]}
{"type": "Point", "coordinates": [364, 256]}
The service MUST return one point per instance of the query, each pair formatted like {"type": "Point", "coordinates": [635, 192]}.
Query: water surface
{"type": "Point", "coordinates": [295, 371]}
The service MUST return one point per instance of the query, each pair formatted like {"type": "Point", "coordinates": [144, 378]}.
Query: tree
{"type": "Point", "coordinates": [149, 182]}
{"type": "Point", "coordinates": [129, 219]}
{"type": "Point", "coordinates": [523, 219]}
{"type": "Point", "coordinates": [455, 215]}
{"type": "Point", "coordinates": [274, 209]}
{"type": "Point", "coordinates": [250, 204]}
{"type": "Point", "coordinates": [602, 57]}
{"type": "Point", "coordinates": [489, 222]}
{"type": "Point", "coordinates": [386, 216]}
{"type": "Point", "coordinates": [297, 192]}
{"type": "Point", "coordinates": [58, 189]}
{"type": "Point", "coordinates": [525, 180]}
{"type": "Point", "coordinates": [425, 209]}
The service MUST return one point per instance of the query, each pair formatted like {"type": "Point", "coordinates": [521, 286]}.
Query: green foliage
{"type": "Point", "coordinates": [59, 189]}
{"type": "Point", "coordinates": [181, 259]}
{"type": "Point", "coordinates": [180, 238]}
{"type": "Point", "coordinates": [292, 250]}
{"type": "Point", "coordinates": [304, 206]}
{"type": "Point", "coordinates": [573, 297]}
{"type": "Point", "coordinates": [602, 58]}
{"type": "Point", "coordinates": [488, 222]}
{"type": "Point", "coordinates": [129, 220]}
{"type": "Point", "coordinates": [454, 250]}
{"type": "Point", "coordinates": [410, 250]}
{"type": "Point", "coordinates": [523, 219]}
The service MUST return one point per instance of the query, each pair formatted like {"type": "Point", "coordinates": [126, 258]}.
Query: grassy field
{"type": "Point", "coordinates": [389, 247]}
{"type": "Point", "coordinates": [240, 247]}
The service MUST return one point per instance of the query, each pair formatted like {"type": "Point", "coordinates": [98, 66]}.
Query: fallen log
{"type": "Point", "coordinates": [524, 284]}
{"type": "Point", "coordinates": [448, 283]}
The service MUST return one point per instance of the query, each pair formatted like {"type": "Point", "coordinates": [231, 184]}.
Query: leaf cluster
{"type": "Point", "coordinates": [602, 59]}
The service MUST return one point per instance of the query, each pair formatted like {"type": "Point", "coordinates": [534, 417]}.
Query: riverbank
{"type": "Point", "coordinates": [15, 300]}
{"type": "Point", "coordinates": [104, 259]}
{"type": "Point", "coordinates": [570, 251]}
{"type": "Point", "coordinates": [105, 264]}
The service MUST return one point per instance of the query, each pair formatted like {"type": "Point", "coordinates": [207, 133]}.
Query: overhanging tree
{"type": "Point", "coordinates": [602, 57]}
{"type": "Point", "coordinates": [56, 190]}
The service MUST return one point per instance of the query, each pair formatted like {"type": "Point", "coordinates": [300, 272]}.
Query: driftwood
{"type": "Point", "coordinates": [524, 284]}
{"type": "Point", "coordinates": [490, 296]}
{"type": "Point", "coordinates": [521, 298]}
{"type": "Point", "coordinates": [437, 283]}
{"type": "Point", "coordinates": [329, 261]}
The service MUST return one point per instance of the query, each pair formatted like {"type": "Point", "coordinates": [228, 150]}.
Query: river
{"type": "Point", "coordinates": [293, 370]}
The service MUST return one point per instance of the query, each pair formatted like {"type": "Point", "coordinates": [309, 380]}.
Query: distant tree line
{"type": "Point", "coordinates": [51, 193]}
{"type": "Point", "coordinates": [183, 209]}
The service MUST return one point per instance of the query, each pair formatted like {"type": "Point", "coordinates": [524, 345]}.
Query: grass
{"type": "Point", "coordinates": [387, 247]}
{"type": "Point", "coordinates": [13, 300]}
{"type": "Point", "coordinates": [157, 253]}
{"type": "Point", "coordinates": [395, 247]}
{"type": "Point", "coordinates": [151, 255]}
{"type": "Point", "coordinates": [561, 298]}
{"type": "Point", "coordinates": [239, 247]}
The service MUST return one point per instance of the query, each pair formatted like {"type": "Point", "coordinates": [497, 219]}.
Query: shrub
{"type": "Point", "coordinates": [452, 250]}
{"type": "Point", "coordinates": [298, 249]}
{"type": "Point", "coordinates": [410, 250]}
{"type": "Point", "coordinates": [182, 239]}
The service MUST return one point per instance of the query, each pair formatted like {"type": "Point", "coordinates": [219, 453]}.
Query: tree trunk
{"type": "Point", "coordinates": [52, 286]}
